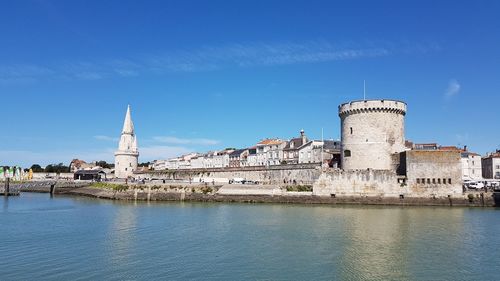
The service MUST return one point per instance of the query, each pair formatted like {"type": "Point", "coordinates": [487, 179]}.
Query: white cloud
{"type": "Point", "coordinates": [105, 138]}
{"type": "Point", "coordinates": [150, 153]}
{"type": "Point", "coordinates": [453, 88]}
{"type": "Point", "coordinates": [175, 140]}
{"type": "Point", "coordinates": [209, 58]}
{"type": "Point", "coordinates": [26, 158]}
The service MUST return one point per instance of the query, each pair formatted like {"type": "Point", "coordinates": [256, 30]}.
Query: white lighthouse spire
{"type": "Point", "coordinates": [128, 125]}
{"type": "Point", "coordinates": [126, 157]}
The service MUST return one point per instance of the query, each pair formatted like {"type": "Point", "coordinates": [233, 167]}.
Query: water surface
{"type": "Point", "coordinates": [72, 238]}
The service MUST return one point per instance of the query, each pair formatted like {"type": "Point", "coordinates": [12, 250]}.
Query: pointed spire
{"type": "Point", "coordinates": [128, 125]}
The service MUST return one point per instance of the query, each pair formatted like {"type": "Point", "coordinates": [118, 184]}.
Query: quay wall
{"type": "Point", "coordinates": [479, 200]}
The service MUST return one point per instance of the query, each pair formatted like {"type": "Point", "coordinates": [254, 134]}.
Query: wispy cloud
{"type": "Point", "coordinates": [453, 89]}
{"type": "Point", "coordinates": [150, 153]}
{"type": "Point", "coordinates": [26, 158]}
{"type": "Point", "coordinates": [105, 138]}
{"type": "Point", "coordinates": [208, 58]}
{"type": "Point", "coordinates": [175, 140]}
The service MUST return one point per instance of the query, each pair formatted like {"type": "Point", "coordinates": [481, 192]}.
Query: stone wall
{"type": "Point", "coordinates": [376, 183]}
{"type": "Point", "coordinates": [336, 182]}
{"type": "Point", "coordinates": [432, 171]}
{"type": "Point", "coordinates": [279, 175]}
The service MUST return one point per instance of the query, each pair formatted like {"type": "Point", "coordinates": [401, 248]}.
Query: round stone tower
{"type": "Point", "coordinates": [373, 133]}
{"type": "Point", "coordinates": [126, 157]}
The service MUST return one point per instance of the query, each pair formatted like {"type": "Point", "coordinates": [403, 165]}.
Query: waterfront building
{"type": "Point", "coordinates": [491, 166]}
{"type": "Point", "coordinates": [291, 150]}
{"type": "Point", "coordinates": [310, 152]}
{"type": "Point", "coordinates": [270, 152]}
{"type": "Point", "coordinates": [127, 155]}
{"type": "Point", "coordinates": [238, 158]}
{"type": "Point", "coordinates": [252, 159]}
{"type": "Point", "coordinates": [471, 165]}
{"type": "Point", "coordinates": [159, 165]}
{"type": "Point", "coordinates": [197, 162]}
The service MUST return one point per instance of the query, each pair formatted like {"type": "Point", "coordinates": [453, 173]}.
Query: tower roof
{"type": "Point", "coordinates": [128, 125]}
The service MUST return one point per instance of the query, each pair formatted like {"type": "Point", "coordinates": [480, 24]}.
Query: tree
{"type": "Point", "coordinates": [145, 164]}
{"type": "Point", "coordinates": [57, 168]}
{"type": "Point", "coordinates": [36, 168]}
{"type": "Point", "coordinates": [104, 165]}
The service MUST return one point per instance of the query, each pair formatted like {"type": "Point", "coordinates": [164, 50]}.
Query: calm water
{"type": "Point", "coordinates": [68, 238]}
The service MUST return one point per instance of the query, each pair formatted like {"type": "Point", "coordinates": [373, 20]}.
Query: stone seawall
{"type": "Point", "coordinates": [488, 200]}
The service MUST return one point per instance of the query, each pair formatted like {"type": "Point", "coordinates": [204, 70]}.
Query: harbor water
{"type": "Point", "coordinates": [75, 238]}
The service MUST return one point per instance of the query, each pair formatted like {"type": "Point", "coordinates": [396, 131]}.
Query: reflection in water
{"type": "Point", "coordinates": [383, 243]}
{"type": "Point", "coordinates": [121, 237]}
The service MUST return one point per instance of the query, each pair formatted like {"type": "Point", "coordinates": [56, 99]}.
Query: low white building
{"type": "Point", "coordinates": [252, 159]}
{"type": "Point", "coordinates": [312, 151]}
{"type": "Point", "coordinates": [159, 165]}
{"type": "Point", "coordinates": [197, 162]}
{"type": "Point", "coordinates": [471, 166]}
{"type": "Point", "coordinates": [491, 166]}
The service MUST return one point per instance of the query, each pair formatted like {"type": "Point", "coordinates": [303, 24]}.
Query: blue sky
{"type": "Point", "coordinates": [204, 75]}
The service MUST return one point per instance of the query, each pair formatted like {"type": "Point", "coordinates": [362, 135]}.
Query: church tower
{"type": "Point", "coordinates": [126, 157]}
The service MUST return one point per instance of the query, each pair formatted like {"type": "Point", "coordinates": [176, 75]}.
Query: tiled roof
{"type": "Point", "coordinates": [271, 142]}
{"type": "Point", "coordinates": [297, 142]}
{"type": "Point", "coordinates": [237, 152]}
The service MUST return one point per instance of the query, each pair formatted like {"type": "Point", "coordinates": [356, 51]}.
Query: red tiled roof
{"type": "Point", "coordinates": [270, 142]}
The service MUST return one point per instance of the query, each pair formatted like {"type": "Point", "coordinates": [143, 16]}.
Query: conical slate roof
{"type": "Point", "coordinates": [128, 125]}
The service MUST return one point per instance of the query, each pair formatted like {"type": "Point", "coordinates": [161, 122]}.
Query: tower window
{"type": "Point", "coordinates": [351, 130]}
{"type": "Point", "coordinates": [347, 153]}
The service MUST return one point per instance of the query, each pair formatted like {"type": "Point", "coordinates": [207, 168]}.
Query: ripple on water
{"type": "Point", "coordinates": [75, 239]}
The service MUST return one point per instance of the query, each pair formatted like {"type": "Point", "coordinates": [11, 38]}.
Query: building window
{"type": "Point", "coordinates": [418, 181]}
{"type": "Point", "coordinates": [498, 167]}
{"type": "Point", "coordinates": [347, 153]}
{"type": "Point", "coordinates": [439, 181]}
{"type": "Point", "coordinates": [351, 130]}
{"type": "Point", "coordinates": [449, 181]}
{"type": "Point", "coordinates": [428, 181]}
{"type": "Point", "coordinates": [433, 181]}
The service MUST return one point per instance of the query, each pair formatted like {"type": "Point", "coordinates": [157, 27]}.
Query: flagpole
{"type": "Point", "coordinates": [364, 89]}
{"type": "Point", "coordinates": [322, 147]}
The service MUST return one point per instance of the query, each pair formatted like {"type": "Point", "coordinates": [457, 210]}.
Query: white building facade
{"type": "Point", "coordinates": [270, 152]}
{"type": "Point", "coordinates": [471, 166]}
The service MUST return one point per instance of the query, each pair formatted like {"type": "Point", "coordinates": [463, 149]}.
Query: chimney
{"type": "Point", "coordinates": [303, 136]}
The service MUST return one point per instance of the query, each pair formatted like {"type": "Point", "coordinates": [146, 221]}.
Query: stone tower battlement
{"type": "Point", "coordinates": [367, 106]}
{"type": "Point", "coordinates": [372, 134]}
